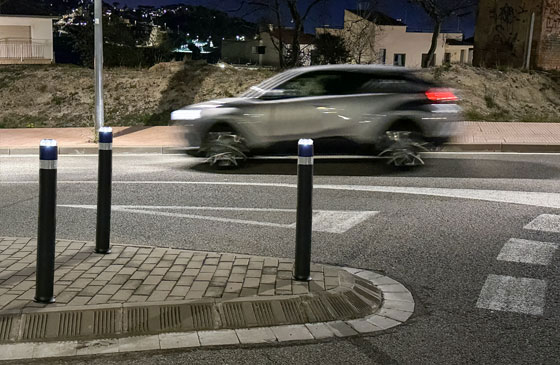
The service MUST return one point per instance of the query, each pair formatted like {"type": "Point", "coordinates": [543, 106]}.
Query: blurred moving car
{"type": "Point", "coordinates": [373, 109]}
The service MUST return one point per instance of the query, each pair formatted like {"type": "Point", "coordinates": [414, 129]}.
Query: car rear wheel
{"type": "Point", "coordinates": [224, 148]}
{"type": "Point", "coordinates": [404, 148]}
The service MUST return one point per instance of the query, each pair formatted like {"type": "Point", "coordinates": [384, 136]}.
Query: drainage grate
{"type": "Point", "coordinates": [170, 317]}
{"type": "Point", "coordinates": [232, 315]}
{"type": "Point", "coordinates": [104, 322]}
{"type": "Point", "coordinates": [6, 327]}
{"type": "Point", "coordinates": [202, 316]}
{"type": "Point", "coordinates": [137, 320]}
{"type": "Point", "coordinates": [357, 302]}
{"type": "Point", "coordinates": [319, 310]}
{"type": "Point", "coordinates": [342, 308]}
{"type": "Point", "coordinates": [35, 326]}
{"type": "Point", "coordinates": [69, 324]}
{"type": "Point", "coordinates": [368, 295]}
{"type": "Point", "coordinates": [294, 311]}
{"type": "Point", "coordinates": [366, 284]}
{"type": "Point", "coordinates": [263, 313]}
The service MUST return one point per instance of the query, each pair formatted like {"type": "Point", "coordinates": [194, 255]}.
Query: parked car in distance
{"type": "Point", "coordinates": [368, 109]}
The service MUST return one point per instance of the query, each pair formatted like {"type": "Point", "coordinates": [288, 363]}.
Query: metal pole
{"type": "Point", "coordinates": [46, 232]}
{"type": "Point", "coordinates": [103, 229]}
{"type": "Point", "coordinates": [530, 42]}
{"type": "Point", "coordinates": [98, 26]}
{"type": "Point", "coordinates": [304, 210]}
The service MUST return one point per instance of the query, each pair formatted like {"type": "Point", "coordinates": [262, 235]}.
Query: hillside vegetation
{"type": "Point", "coordinates": [63, 96]}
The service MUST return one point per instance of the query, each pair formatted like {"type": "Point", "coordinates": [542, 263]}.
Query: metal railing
{"type": "Point", "coordinates": [23, 49]}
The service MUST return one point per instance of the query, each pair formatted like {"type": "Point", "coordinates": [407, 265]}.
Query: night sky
{"type": "Point", "coordinates": [333, 14]}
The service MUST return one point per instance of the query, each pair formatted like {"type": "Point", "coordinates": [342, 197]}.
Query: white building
{"type": "Point", "coordinates": [373, 37]}
{"type": "Point", "coordinates": [26, 39]}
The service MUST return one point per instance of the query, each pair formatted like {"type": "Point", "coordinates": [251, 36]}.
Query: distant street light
{"type": "Point", "coordinates": [98, 65]}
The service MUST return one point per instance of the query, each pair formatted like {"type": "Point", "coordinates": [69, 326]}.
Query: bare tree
{"type": "Point", "coordinates": [361, 35]}
{"type": "Point", "coordinates": [439, 11]}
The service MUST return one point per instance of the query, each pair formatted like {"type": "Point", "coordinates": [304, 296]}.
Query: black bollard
{"type": "Point", "coordinates": [103, 229]}
{"type": "Point", "coordinates": [304, 210]}
{"type": "Point", "coordinates": [46, 232]}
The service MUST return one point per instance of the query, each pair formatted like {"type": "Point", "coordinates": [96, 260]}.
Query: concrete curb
{"type": "Point", "coordinates": [93, 150]}
{"type": "Point", "coordinates": [159, 150]}
{"type": "Point", "coordinates": [397, 307]}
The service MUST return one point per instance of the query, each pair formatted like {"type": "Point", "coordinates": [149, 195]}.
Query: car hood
{"type": "Point", "coordinates": [216, 103]}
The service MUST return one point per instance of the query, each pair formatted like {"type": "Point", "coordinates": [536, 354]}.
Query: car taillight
{"type": "Point", "coordinates": [441, 95]}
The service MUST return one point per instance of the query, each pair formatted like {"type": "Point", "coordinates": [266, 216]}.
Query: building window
{"type": "Point", "coordinates": [462, 56]}
{"type": "Point", "coordinates": [399, 59]}
{"type": "Point", "coordinates": [382, 56]}
{"type": "Point", "coordinates": [258, 49]}
{"type": "Point", "coordinates": [447, 58]}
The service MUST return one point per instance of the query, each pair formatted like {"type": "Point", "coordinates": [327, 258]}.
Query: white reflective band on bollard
{"type": "Point", "coordinates": [305, 160]}
{"type": "Point", "coordinates": [105, 146]}
{"type": "Point", "coordinates": [48, 164]}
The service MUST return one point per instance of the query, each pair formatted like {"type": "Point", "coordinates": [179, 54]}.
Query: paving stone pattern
{"type": "Point", "coordinates": [140, 274]}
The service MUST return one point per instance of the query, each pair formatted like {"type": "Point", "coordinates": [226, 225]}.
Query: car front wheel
{"type": "Point", "coordinates": [224, 148]}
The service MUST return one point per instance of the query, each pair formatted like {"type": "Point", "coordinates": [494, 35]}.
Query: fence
{"type": "Point", "coordinates": [23, 49]}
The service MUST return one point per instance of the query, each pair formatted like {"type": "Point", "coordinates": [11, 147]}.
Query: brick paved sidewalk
{"type": "Point", "coordinates": [475, 136]}
{"type": "Point", "coordinates": [174, 298]}
{"type": "Point", "coordinates": [132, 274]}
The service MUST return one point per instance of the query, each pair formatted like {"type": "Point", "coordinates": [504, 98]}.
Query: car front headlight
{"type": "Point", "coordinates": [186, 114]}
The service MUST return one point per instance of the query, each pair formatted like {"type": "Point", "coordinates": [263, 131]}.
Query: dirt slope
{"type": "Point", "coordinates": [63, 96]}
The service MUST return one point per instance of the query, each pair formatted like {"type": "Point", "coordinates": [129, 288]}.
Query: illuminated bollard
{"type": "Point", "coordinates": [304, 210]}
{"type": "Point", "coordinates": [103, 228]}
{"type": "Point", "coordinates": [46, 232]}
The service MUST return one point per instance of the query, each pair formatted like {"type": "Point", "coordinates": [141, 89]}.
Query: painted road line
{"type": "Point", "coordinates": [510, 294]}
{"type": "Point", "coordinates": [531, 198]}
{"type": "Point", "coordinates": [528, 252]}
{"type": "Point", "coordinates": [545, 223]}
{"type": "Point", "coordinates": [329, 221]}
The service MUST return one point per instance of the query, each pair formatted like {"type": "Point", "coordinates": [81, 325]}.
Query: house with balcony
{"type": "Point", "coordinates": [26, 39]}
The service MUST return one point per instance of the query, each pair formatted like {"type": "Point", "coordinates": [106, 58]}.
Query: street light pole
{"type": "Point", "coordinates": [98, 26]}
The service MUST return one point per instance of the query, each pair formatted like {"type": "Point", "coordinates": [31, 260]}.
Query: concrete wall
{"type": "Point", "coordinates": [41, 36]}
{"type": "Point", "coordinates": [455, 52]}
{"type": "Point", "coordinates": [502, 30]}
{"type": "Point", "coordinates": [242, 51]}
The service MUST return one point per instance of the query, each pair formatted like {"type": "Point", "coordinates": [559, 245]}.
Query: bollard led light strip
{"type": "Point", "coordinates": [48, 154]}
{"type": "Point", "coordinates": [105, 138]}
{"type": "Point", "coordinates": [305, 152]}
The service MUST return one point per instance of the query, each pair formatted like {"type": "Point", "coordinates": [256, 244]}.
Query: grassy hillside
{"type": "Point", "coordinates": [63, 96]}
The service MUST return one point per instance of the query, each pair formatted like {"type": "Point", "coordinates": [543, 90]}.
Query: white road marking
{"type": "Point", "coordinates": [528, 252]}
{"type": "Point", "coordinates": [546, 223]}
{"type": "Point", "coordinates": [330, 221]}
{"type": "Point", "coordinates": [539, 199]}
{"type": "Point", "coordinates": [333, 221]}
{"type": "Point", "coordinates": [510, 294]}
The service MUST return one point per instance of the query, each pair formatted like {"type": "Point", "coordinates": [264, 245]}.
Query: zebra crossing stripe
{"type": "Point", "coordinates": [528, 252]}
{"type": "Point", "coordinates": [546, 223]}
{"type": "Point", "coordinates": [510, 294]}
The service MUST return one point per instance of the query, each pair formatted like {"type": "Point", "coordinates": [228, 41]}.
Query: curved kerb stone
{"type": "Point", "coordinates": [362, 302]}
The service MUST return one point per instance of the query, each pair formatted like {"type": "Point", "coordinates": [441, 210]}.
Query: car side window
{"type": "Point", "coordinates": [322, 84]}
{"type": "Point", "coordinates": [392, 84]}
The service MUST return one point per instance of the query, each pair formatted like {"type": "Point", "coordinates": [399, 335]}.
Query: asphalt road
{"type": "Point", "coordinates": [439, 230]}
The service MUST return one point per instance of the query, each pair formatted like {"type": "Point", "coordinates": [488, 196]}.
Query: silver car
{"type": "Point", "coordinates": [368, 109]}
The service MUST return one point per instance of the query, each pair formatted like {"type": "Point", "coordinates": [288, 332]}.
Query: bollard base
{"type": "Point", "coordinates": [103, 251]}
{"type": "Point", "coordinates": [302, 278]}
{"type": "Point", "coordinates": [46, 300]}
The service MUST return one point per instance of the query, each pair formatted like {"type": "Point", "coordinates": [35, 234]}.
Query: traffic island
{"type": "Point", "coordinates": [146, 298]}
